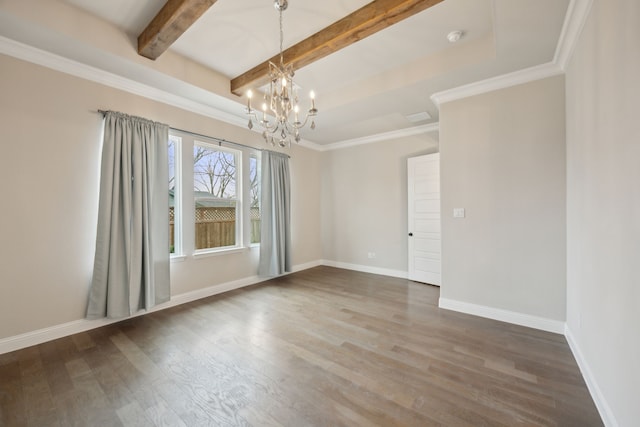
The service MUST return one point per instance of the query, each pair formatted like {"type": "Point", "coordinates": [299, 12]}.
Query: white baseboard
{"type": "Point", "coordinates": [40, 336]}
{"type": "Point", "coordinates": [521, 319]}
{"type": "Point", "coordinates": [604, 409]}
{"type": "Point", "coordinates": [58, 331]}
{"type": "Point", "coordinates": [306, 266]}
{"type": "Point", "coordinates": [366, 269]}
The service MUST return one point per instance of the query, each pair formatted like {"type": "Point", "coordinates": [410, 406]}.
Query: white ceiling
{"type": "Point", "coordinates": [371, 86]}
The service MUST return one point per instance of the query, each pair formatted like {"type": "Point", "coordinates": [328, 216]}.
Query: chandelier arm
{"type": "Point", "coordinates": [306, 120]}
{"type": "Point", "coordinates": [265, 123]}
{"type": "Point", "coordinates": [268, 126]}
{"type": "Point", "coordinates": [273, 129]}
{"type": "Point", "coordinates": [304, 123]}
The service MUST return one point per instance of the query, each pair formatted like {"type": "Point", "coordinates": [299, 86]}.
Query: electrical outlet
{"type": "Point", "coordinates": [371, 255]}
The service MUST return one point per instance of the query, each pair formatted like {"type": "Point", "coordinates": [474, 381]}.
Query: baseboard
{"type": "Point", "coordinates": [521, 319]}
{"type": "Point", "coordinates": [604, 409]}
{"type": "Point", "coordinates": [40, 336]}
{"type": "Point", "coordinates": [207, 292]}
{"type": "Point", "coordinates": [366, 269]}
{"type": "Point", "coordinates": [306, 266]}
{"type": "Point", "coordinates": [58, 331]}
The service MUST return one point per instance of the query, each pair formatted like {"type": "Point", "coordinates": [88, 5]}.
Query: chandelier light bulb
{"type": "Point", "coordinates": [249, 96]}
{"type": "Point", "coordinates": [312, 110]}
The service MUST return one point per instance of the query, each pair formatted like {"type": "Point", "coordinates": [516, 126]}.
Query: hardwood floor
{"type": "Point", "coordinates": [322, 347]}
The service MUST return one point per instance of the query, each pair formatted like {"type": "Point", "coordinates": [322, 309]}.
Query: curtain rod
{"type": "Point", "coordinates": [224, 141]}
{"type": "Point", "coordinates": [220, 141]}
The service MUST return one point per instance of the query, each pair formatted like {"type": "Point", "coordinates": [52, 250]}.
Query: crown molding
{"type": "Point", "coordinates": [59, 63]}
{"type": "Point", "coordinates": [575, 18]}
{"type": "Point", "coordinates": [310, 145]}
{"type": "Point", "coordinates": [394, 134]}
{"type": "Point", "coordinates": [515, 78]}
{"type": "Point", "coordinates": [574, 22]}
{"type": "Point", "coordinates": [55, 62]}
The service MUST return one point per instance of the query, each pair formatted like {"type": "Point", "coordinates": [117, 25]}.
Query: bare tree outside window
{"type": "Point", "coordinates": [214, 172]}
{"type": "Point", "coordinates": [214, 188]}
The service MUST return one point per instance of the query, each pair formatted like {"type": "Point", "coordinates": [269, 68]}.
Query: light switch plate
{"type": "Point", "coordinates": [458, 212]}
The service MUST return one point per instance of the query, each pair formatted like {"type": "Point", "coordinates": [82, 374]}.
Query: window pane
{"type": "Point", "coordinates": [174, 142]}
{"type": "Point", "coordinates": [255, 199]}
{"type": "Point", "coordinates": [214, 188]}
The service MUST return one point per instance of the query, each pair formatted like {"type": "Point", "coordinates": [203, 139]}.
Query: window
{"type": "Point", "coordinates": [174, 192]}
{"type": "Point", "coordinates": [215, 194]}
{"type": "Point", "coordinates": [254, 200]}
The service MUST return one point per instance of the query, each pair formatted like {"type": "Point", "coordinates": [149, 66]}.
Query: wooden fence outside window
{"type": "Point", "coordinates": [216, 227]}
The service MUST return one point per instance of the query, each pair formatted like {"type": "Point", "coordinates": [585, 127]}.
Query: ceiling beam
{"type": "Point", "coordinates": [368, 20]}
{"type": "Point", "coordinates": [175, 17]}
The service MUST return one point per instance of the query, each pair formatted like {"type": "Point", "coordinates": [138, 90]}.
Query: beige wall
{"type": "Point", "coordinates": [49, 170]}
{"type": "Point", "coordinates": [503, 160]}
{"type": "Point", "coordinates": [364, 202]}
{"type": "Point", "coordinates": [49, 175]}
{"type": "Point", "coordinates": [603, 205]}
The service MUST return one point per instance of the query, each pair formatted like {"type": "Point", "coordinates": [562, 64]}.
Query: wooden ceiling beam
{"type": "Point", "coordinates": [368, 20]}
{"type": "Point", "coordinates": [175, 17]}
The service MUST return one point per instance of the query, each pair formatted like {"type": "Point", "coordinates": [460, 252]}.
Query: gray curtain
{"type": "Point", "coordinates": [131, 267]}
{"type": "Point", "coordinates": [275, 234]}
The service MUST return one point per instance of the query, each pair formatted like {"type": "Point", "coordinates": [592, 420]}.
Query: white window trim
{"type": "Point", "coordinates": [204, 253]}
{"type": "Point", "coordinates": [178, 247]}
{"type": "Point", "coordinates": [184, 203]}
{"type": "Point", "coordinates": [247, 188]}
{"type": "Point", "coordinates": [238, 159]}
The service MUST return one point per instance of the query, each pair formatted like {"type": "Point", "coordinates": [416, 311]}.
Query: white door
{"type": "Point", "coordinates": [424, 218]}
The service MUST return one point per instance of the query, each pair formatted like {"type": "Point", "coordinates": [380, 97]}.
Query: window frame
{"type": "Point", "coordinates": [239, 223]}
{"type": "Point", "coordinates": [257, 155]}
{"type": "Point", "coordinates": [178, 247]}
{"type": "Point", "coordinates": [184, 197]}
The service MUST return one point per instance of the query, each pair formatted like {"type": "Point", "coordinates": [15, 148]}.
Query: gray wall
{"type": "Point", "coordinates": [603, 204]}
{"type": "Point", "coordinates": [364, 203]}
{"type": "Point", "coordinates": [503, 160]}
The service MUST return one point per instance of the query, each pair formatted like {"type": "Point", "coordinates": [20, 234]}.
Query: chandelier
{"type": "Point", "coordinates": [281, 100]}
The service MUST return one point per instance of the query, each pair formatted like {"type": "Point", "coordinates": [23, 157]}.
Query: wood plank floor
{"type": "Point", "coordinates": [322, 347]}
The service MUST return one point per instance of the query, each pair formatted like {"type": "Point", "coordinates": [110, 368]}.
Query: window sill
{"type": "Point", "coordinates": [206, 254]}
{"type": "Point", "coordinates": [177, 258]}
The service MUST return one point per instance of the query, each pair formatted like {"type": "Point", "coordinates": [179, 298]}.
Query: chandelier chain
{"type": "Point", "coordinates": [281, 39]}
